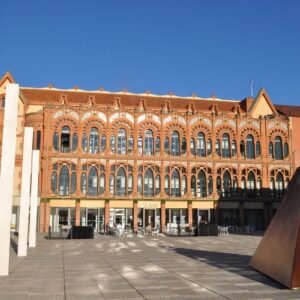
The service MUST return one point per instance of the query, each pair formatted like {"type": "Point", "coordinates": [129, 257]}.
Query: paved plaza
{"type": "Point", "coordinates": [140, 268]}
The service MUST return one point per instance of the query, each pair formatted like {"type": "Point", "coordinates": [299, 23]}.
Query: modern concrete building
{"type": "Point", "coordinates": [144, 159]}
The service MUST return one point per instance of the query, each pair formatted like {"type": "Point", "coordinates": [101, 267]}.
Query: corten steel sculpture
{"type": "Point", "coordinates": [278, 254]}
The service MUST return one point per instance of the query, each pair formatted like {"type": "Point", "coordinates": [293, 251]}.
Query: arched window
{"type": "Point", "coordinates": [183, 185]}
{"type": "Point", "coordinates": [54, 182]}
{"type": "Point", "coordinates": [130, 144]}
{"type": "Point", "coordinates": [201, 184]}
{"type": "Point", "coordinates": [103, 143]}
{"type": "Point", "coordinates": [112, 143]}
{"type": "Point", "coordinates": [258, 186]}
{"type": "Point", "coordinates": [193, 186]}
{"type": "Point", "coordinates": [218, 150]}
{"type": "Point", "coordinates": [210, 185]}
{"type": "Point", "coordinates": [258, 151]}
{"type": "Point", "coordinates": [55, 141]}
{"type": "Point", "coordinates": [219, 185]}
{"type": "Point", "coordinates": [130, 184]}
{"type": "Point", "coordinates": [157, 144]}
{"type": "Point", "coordinates": [167, 186]}
{"type": "Point", "coordinates": [149, 144]}
{"type": "Point", "coordinates": [192, 145]}
{"type": "Point", "coordinates": [250, 146]}
{"type": "Point", "coordinates": [74, 142]}
{"type": "Point", "coordinates": [226, 184]}
{"type": "Point", "coordinates": [121, 182]}
{"type": "Point", "coordinates": [167, 144]}
{"type": "Point", "coordinates": [242, 148]}
{"type": "Point", "coordinates": [93, 182]}
{"type": "Point", "coordinates": [286, 150]}
{"type": "Point", "coordinates": [94, 140]}
{"type": "Point", "coordinates": [183, 145]}
{"type": "Point", "coordinates": [243, 186]}
{"type": "Point", "coordinates": [65, 139]}
{"type": "Point", "coordinates": [201, 151]}
{"type": "Point", "coordinates": [140, 145]}
{"type": "Point", "coordinates": [112, 184]}
{"type": "Point", "coordinates": [209, 147]}
{"type": "Point", "coordinates": [175, 144]}
{"type": "Point", "coordinates": [121, 145]}
{"type": "Point", "coordinates": [234, 186]}
{"type": "Point", "coordinates": [84, 143]}
{"type": "Point", "coordinates": [64, 181]}
{"type": "Point", "coordinates": [278, 148]}
{"type": "Point", "coordinates": [279, 185]}
{"type": "Point", "coordinates": [225, 145]}
{"type": "Point", "coordinates": [102, 183]}
{"type": "Point", "coordinates": [140, 184]}
{"type": "Point", "coordinates": [148, 183]}
{"type": "Point", "coordinates": [272, 186]}
{"type": "Point", "coordinates": [175, 184]}
{"type": "Point", "coordinates": [251, 184]}
{"type": "Point", "coordinates": [233, 148]}
{"type": "Point", "coordinates": [83, 183]}
{"type": "Point", "coordinates": [73, 182]}
{"type": "Point", "coordinates": [271, 150]}
{"type": "Point", "coordinates": [157, 184]}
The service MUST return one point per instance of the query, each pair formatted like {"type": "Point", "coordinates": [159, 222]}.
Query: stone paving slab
{"type": "Point", "coordinates": [140, 268]}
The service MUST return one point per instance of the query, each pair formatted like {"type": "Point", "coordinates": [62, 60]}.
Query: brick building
{"type": "Point", "coordinates": [143, 159]}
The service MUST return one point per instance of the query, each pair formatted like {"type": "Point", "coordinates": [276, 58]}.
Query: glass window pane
{"type": "Point", "coordinates": [54, 182]}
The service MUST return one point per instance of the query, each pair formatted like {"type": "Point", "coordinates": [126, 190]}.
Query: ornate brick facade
{"type": "Point", "coordinates": [141, 159]}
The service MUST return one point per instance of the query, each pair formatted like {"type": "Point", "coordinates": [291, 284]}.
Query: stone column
{"type": "Point", "coordinates": [34, 197]}
{"type": "Point", "coordinates": [135, 216]}
{"type": "Point", "coordinates": [7, 172]}
{"type": "Point", "coordinates": [77, 213]}
{"type": "Point", "coordinates": [106, 214]}
{"type": "Point", "coordinates": [25, 191]}
{"type": "Point", "coordinates": [42, 216]}
{"type": "Point", "coordinates": [190, 214]}
{"type": "Point", "coordinates": [163, 217]}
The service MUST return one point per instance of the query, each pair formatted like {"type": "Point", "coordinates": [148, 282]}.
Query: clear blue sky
{"type": "Point", "coordinates": [183, 46]}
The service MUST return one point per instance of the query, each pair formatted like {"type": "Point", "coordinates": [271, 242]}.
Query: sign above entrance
{"type": "Point", "coordinates": [149, 204]}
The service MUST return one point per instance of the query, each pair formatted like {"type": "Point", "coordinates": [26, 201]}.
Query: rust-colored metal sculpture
{"type": "Point", "coordinates": [278, 254]}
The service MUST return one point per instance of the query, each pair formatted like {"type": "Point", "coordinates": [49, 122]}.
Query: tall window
{"type": "Point", "coordinates": [140, 145]}
{"type": "Point", "coordinates": [250, 146]}
{"type": "Point", "coordinates": [157, 144]}
{"type": "Point", "coordinates": [233, 148]}
{"type": "Point", "coordinates": [65, 139]}
{"type": "Point", "coordinates": [286, 150]}
{"type": "Point", "coordinates": [94, 140]}
{"type": "Point", "coordinates": [225, 145]}
{"type": "Point", "coordinates": [103, 143]}
{"type": "Point", "coordinates": [121, 182]}
{"type": "Point", "coordinates": [218, 150]}
{"type": "Point", "coordinates": [251, 184]}
{"type": "Point", "coordinates": [148, 183]}
{"type": "Point", "coordinates": [55, 141]}
{"type": "Point", "coordinates": [93, 182]}
{"type": "Point", "coordinates": [209, 147]}
{"type": "Point", "coordinates": [202, 184]}
{"type": "Point", "coordinates": [226, 184]}
{"type": "Point", "coordinates": [149, 143]}
{"type": "Point", "coordinates": [278, 148]}
{"type": "Point", "coordinates": [258, 151]}
{"type": "Point", "coordinates": [279, 185]}
{"type": "Point", "coordinates": [242, 148]}
{"type": "Point", "coordinates": [64, 181]}
{"type": "Point", "coordinates": [175, 144]}
{"type": "Point", "coordinates": [54, 182]}
{"type": "Point", "coordinates": [201, 151]}
{"type": "Point", "coordinates": [193, 185]}
{"type": "Point", "coordinates": [271, 151]}
{"type": "Point", "coordinates": [175, 184]}
{"type": "Point", "coordinates": [121, 145]}
{"type": "Point", "coordinates": [112, 143]}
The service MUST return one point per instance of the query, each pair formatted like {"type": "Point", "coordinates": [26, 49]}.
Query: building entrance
{"type": "Point", "coordinates": [92, 217]}
{"type": "Point", "coordinates": [61, 217]}
{"type": "Point", "coordinates": [149, 217]}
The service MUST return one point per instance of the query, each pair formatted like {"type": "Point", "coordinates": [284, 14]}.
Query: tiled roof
{"type": "Point", "coordinates": [75, 97]}
{"type": "Point", "coordinates": [291, 111]}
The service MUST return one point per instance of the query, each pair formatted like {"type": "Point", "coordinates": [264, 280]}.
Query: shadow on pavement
{"type": "Point", "coordinates": [231, 262]}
